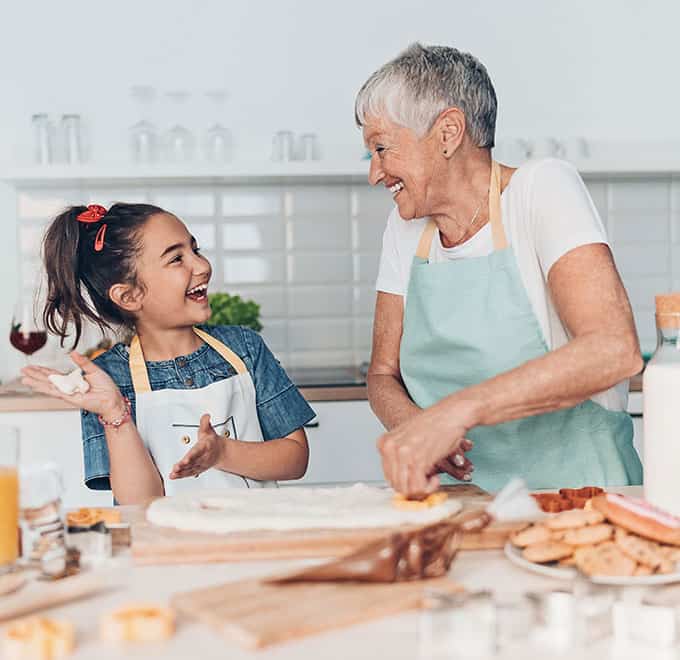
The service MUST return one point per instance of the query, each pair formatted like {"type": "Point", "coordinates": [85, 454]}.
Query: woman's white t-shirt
{"type": "Point", "coordinates": [546, 212]}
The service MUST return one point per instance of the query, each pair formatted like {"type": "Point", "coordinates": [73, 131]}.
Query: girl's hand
{"type": "Point", "coordinates": [103, 398]}
{"type": "Point", "coordinates": [207, 451]}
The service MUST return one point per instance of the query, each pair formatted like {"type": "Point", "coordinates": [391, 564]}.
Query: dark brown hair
{"type": "Point", "coordinates": [79, 278]}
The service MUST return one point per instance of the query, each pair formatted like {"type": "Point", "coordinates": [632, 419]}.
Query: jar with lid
{"type": "Point", "coordinates": [661, 410]}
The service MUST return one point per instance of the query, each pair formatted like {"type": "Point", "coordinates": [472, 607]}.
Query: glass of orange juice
{"type": "Point", "coordinates": [9, 497]}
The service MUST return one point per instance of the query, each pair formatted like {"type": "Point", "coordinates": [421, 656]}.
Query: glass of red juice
{"type": "Point", "coordinates": [26, 334]}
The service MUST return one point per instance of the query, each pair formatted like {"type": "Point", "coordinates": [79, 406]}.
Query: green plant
{"type": "Point", "coordinates": [232, 310]}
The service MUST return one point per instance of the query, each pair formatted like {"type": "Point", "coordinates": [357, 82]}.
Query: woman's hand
{"type": "Point", "coordinates": [203, 455]}
{"type": "Point", "coordinates": [413, 452]}
{"type": "Point", "coordinates": [103, 398]}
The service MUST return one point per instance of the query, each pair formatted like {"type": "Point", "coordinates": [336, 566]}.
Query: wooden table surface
{"type": "Point", "coordinates": [393, 638]}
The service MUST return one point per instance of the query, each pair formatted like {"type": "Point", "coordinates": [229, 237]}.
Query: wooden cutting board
{"type": "Point", "coordinates": [255, 614]}
{"type": "Point", "coordinates": [163, 545]}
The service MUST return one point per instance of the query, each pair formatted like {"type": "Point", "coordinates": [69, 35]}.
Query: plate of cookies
{"type": "Point", "coordinates": [614, 540]}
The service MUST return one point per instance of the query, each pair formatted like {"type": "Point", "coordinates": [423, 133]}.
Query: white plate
{"type": "Point", "coordinates": [567, 573]}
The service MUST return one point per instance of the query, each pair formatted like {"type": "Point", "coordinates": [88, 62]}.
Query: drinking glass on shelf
{"type": "Point", "coordinates": [218, 144]}
{"type": "Point", "coordinates": [178, 141]}
{"type": "Point", "coordinates": [143, 135]}
{"type": "Point", "coordinates": [9, 498]}
{"type": "Point", "coordinates": [26, 334]}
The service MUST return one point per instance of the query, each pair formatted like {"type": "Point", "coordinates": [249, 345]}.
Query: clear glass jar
{"type": "Point", "coordinates": [661, 410]}
{"type": "Point", "coordinates": [43, 135]}
{"type": "Point", "coordinates": [72, 139]}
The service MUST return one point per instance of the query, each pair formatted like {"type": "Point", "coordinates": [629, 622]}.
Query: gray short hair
{"type": "Point", "coordinates": [419, 84]}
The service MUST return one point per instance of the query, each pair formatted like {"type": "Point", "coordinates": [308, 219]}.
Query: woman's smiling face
{"type": "Point", "coordinates": [403, 163]}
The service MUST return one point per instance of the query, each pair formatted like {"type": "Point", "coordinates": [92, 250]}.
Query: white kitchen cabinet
{"type": "Point", "coordinates": [342, 446]}
{"type": "Point", "coordinates": [55, 436]}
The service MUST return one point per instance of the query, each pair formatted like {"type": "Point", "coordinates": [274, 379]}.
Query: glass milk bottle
{"type": "Point", "coordinates": [661, 410]}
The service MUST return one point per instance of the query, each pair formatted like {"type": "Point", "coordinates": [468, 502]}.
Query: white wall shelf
{"type": "Point", "coordinates": [268, 172]}
{"type": "Point", "coordinates": [197, 173]}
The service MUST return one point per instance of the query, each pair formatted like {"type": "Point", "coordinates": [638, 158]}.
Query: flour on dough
{"type": "Point", "coordinates": [284, 509]}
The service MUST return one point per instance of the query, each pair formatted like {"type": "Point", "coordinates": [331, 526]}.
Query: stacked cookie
{"type": "Point", "coordinates": [612, 536]}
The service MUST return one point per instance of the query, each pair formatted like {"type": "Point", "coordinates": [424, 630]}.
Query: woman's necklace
{"type": "Point", "coordinates": [472, 221]}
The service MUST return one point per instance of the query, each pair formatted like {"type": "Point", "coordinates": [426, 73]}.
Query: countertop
{"type": "Point", "coordinates": [316, 384]}
{"type": "Point", "coordinates": [393, 637]}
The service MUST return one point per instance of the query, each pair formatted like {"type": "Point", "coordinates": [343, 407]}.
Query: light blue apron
{"type": "Point", "coordinates": [470, 319]}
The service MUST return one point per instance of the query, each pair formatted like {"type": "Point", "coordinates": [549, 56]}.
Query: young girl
{"type": "Point", "coordinates": [184, 405]}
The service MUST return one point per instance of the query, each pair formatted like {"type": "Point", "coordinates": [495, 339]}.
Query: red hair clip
{"type": "Point", "coordinates": [95, 213]}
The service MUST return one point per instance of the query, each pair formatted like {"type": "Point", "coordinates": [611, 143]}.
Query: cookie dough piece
{"type": "Point", "coordinates": [641, 550]}
{"type": "Point", "coordinates": [70, 383]}
{"type": "Point", "coordinates": [547, 551]}
{"type": "Point", "coordinates": [589, 535]}
{"type": "Point", "coordinates": [604, 559]}
{"type": "Point", "coordinates": [530, 536]}
{"type": "Point", "coordinates": [575, 518]}
{"type": "Point", "coordinates": [431, 500]}
{"type": "Point", "coordinates": [138, 623]}
{"type": "Point", "coordinates": [38, 638]}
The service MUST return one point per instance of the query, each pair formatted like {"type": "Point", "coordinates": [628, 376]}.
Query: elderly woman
{"type": "Point", "coordinates": [503, 336]}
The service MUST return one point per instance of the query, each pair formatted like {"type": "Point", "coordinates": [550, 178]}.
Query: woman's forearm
{"type": "Point", "coordinates": [389, 400]}
{"type": "Point", "coordinates": [133, 474]}
{"type": "Point", "coordinates": [563, 378]}
{"type": "Point", "coordinates": [279, 459]}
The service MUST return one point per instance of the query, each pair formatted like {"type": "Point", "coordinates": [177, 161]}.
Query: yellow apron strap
{"type": "Point", "coordinates": [423, 250]}
{"type": "Point", "coordinates": [500, 242]}
{"type": "Point", "coordinates": [229, 355]}
{"type": "Point", "coordinates": [140, 377]}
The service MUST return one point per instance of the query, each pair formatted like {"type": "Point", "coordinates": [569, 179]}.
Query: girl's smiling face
{"type": "Point", "coordinates": [173, 275]}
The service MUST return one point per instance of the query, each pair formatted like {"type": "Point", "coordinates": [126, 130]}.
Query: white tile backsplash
{"type": "Point", "coordinates": [309, 254]}
{"type": "Point", "coordinates": [254, 234]}
{"type": "Point", "coordinates": [253, 269]}
{"type": "Point", "coordinates": [328, 232]}
{"type": "Point", "coordinates": [204, 233]}
{"type": "Point", "coordinates": [641, 258]}
{"type": "Point", "coordinates": [253, 200]}
{"type": "Point", "coordinates": [639, 226]}
{"type": "Point", "coordinates": [46, 204]}
{"type": "Point", "coordinates": [319, 334]}
{"type": "Point", "coordinates": [184, 202]}
{"type": "Point", "coordinates": [635, 194]}
{"type": "Point", "coordinates": [320, 268]}
{"type": "Point", "coordinates": [316, 301]}
{"type": "Point", "coordinates": [320, 201]}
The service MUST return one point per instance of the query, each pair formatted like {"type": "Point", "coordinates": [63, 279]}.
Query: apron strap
{"type": "Point", "coordinates": [500, 241]}
{"type": "Point", "coordinates": [140, 375]}
{"type": "Point", "coordinates": [234, 360]}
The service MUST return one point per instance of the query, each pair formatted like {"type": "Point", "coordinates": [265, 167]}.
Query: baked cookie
{"type": "Point", "coordinates": [641, 550]}
{"type": "Point", "coordinates": [604, 559]}
{"type": "Point", "coordinates": [589, 535]}
{"type": "Point", "coordinates": [547, 551]}
{"type": "Point", "coordinates": [38, 638]}
{"type": "Point", "coordinates": [530, 536]}
{"type": "Point", "coordinates": [137, 623]}
{"type": "Point", "coordinates": [574, 518]}
{"type": "Point", "coordinates": [642, 569]}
